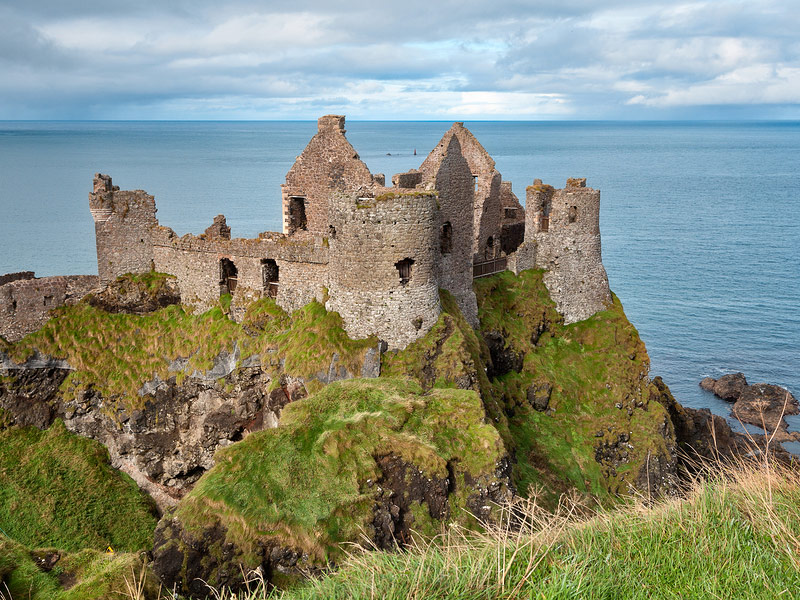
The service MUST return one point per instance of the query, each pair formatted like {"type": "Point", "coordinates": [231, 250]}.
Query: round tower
{"type": "Point", "coordinates": [382, 269]}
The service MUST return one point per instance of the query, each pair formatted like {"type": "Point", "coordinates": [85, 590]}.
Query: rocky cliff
{"type": "Point", "coordinates": [259, 459]}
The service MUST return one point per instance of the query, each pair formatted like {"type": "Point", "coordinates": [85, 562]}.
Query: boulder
{"type": "Point", "coordinates": [728, 387]}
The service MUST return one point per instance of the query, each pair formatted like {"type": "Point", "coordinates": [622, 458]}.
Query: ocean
{"type": "Point", "coordinates": [700, 220]}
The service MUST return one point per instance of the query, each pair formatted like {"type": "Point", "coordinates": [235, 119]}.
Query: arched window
{"type": "Point", "coordinates": [573, 214]}
{"type": "Point", "coordinates": [544, 217]}
{"type": "Point", "coordinates": [446, 241]}
{"type": "Point", "coordinates": [297, 214]}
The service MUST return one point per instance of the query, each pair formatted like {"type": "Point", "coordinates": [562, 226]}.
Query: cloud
{"type": "Point", "coordinates": [412, 59]}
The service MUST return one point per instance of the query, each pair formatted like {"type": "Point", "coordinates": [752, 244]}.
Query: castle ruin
{"type": "Point", "coordinates": [377, 255]}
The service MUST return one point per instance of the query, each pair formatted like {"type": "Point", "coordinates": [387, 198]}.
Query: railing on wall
{"type": "Point", "coordinates": [485, 268]}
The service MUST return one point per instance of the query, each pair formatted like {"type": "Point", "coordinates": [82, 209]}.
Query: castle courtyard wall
{"type": "Point", "coordinates": [25, 303]}
{"type": "Point", "coordinates": [195, 261]}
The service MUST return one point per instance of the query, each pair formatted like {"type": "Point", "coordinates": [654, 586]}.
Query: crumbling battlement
{"type": "Point", "coordinates": [9, 277]}
{"type": "Point", "coordinates": [209, 265]}
{"type": "Point", "coordinates": [26, 302]}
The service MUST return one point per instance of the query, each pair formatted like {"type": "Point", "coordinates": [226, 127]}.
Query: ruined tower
{"type": "Point", "coordinates": [382, 269]}
{"type": "Point", "coordinates": [564, 226]}
{"type": "Point", "coordinates": [123, 223]}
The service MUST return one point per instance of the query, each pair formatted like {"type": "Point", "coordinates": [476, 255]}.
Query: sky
{"type": "Point", "coordinates": [414, 59]}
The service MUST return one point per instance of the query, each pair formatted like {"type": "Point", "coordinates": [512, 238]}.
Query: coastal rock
{"type": "Point", "coordinates": [701, 435]}
{"type": "Point", "coordinates": [504, 358]}
{"type": "Point", "coordinates": [765, 405]}
{"type": "Point", "coordinates": [728, 387]}
{"type": "Point", "coordinates": [378, 462]}
{"type": "Point", "coordinates": [167, 443]}
{"type": "Point", "coordinates": [761, 404]}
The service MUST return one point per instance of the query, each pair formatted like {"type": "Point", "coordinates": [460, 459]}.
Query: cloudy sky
{"type": "Point", "coordinates": [410, 59]}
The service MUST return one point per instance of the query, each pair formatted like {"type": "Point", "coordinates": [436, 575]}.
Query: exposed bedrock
{"type": "Point", "coordinates": [169, 439]}
{"type": "Point", "coordinates": [371, 462]}
{"type": "Point", "coordinates": [761, 404]}
{"type": "Point", "coordinates": [136, 294]}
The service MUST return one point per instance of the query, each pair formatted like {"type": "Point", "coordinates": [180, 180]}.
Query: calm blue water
{"type": "Point", "coordinates": [699, 220]}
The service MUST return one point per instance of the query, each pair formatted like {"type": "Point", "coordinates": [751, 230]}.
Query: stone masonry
{"type": "Point", "coordinates": [26, 302]}
{"type": "Point", "coordinates": [564, 227]}
{"type": "Point", "coordinates": [378, 255]}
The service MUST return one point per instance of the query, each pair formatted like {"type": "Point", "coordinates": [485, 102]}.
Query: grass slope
{"type": "Point", "coordinates": [59, 490]}
{"type": "Point", "coordinates": [737, 536]}
{"type": "Point", "coordinates": [84, 575]}
{"type": "Point", "coordinates": [117, 353]}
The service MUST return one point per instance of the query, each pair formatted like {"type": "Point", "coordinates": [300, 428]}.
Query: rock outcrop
{"type": "Point", "coordinates": [137, 294]}
{"type": "Point", "coordinates": [761, 404]}
{"type": "Point", "coordinates": [363, 461]}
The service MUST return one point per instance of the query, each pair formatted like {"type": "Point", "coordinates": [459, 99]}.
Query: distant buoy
{"type": "Point", "coordinates": [415, 151]}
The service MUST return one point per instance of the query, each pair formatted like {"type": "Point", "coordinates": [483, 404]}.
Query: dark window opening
{"type": "Point", "coordinates": [573, 214]}
{"type": "Point", "coordinates": [544, 218]}
{"type": "Point", "coordinates": [269, 275]}
{"type": "Point", "coordinates": [404, 269]}
{"type": "Point", "coordinates": [446, 242]}
{"type": "Point", "coordinates": [511, 213]}
{"type": "Point", "coordinates": [48, 300]}
{"type": "Point", "coordinates": [490, 249]}
{"type": "Point", "coordinates": [13, 306]}
{"type": "Point", "coordinates": [228, 276]}
{"type": "Point", "coordinates": [332, 232]}
{"type": "Point", "coordinates": [297, 214]}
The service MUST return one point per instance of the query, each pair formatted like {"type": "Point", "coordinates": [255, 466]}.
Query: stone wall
{"type": "Point", "coordinates": [453, 180]}
{"type": "Point", "coordinates": [487, 180]}
{"type": "Point", "coordinates": [196, 261]}
{"type": "Point", "coordinates": [25, 304]}
{"type": "Point", "coordinates": [328, 164]}
{"type": "Point", "coordinates": [565, 226]}
{"type": "Point", "coordinates": [512, 219]}
{"type": "Point", "coordinates": [374, 235]}
{"type": "Point", "coordinates": [9, 277]}
{"type": "Point", "coordinates": [124, 221]}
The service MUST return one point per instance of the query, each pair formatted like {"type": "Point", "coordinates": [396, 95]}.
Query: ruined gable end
{"type": "Point", "coordinates": [328, 164]}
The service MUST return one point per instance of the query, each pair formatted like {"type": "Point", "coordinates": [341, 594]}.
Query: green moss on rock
{"type": "Point", "coordinates": [117, 353]}
{"type": "Point", "coordinates": [579, 408]}
{"type": "Point", "coordinates": [314, 483]}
